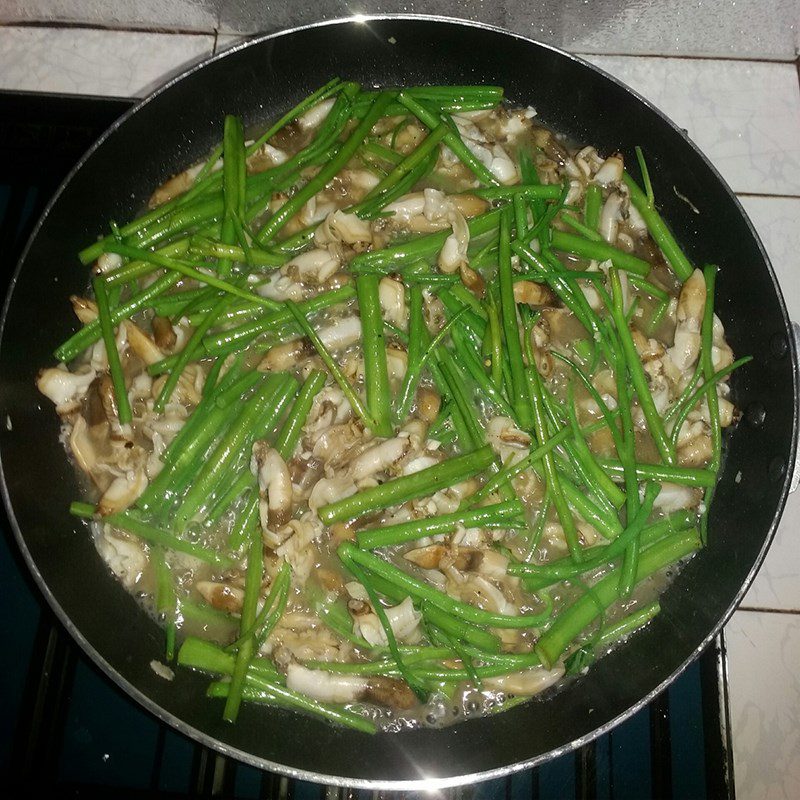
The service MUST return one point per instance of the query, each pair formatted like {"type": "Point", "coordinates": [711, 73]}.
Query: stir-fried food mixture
{"type": "Point", "coordinates": [398, 412]}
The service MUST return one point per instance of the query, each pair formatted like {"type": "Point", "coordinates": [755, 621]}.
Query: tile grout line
{"type": "Point", "coordinates": [768, 195]}
{"type": "Point", "coordinates": [88, 26]}
{"type": "Point", "coordinates": [754, 609]}
{"type": "Point", "coordinates": [680, 57]}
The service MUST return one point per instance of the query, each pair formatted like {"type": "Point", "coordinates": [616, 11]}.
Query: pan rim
{"type": "Point", "coordinates": [423, 783]}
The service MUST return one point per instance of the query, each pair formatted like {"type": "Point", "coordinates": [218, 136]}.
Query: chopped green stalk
{"type": "Point", "coordinates": [599, 478]}
{"type": "Point", "coordinates": [606, 522]}
{"type": "Point", "coordinates": [124, 521]}
{"type": "Point", "coordinates": [639, 618]}
{"type": "Point", "coordinates": [376, 373]}
{"type": "Point", "coordinates": [662, 309]}
{"type": "Point", "coordinates": [328, 171]}
{"type": "Point", "coordinates": [552, 478]}
{"type": "Point", "coordinates": [247, 522]}
{"type": "Point", "coordinates": [690, 398]}
{"type": "Point", "coordinates": [425, 592]}
{"type": "Point", "coordinates": [369, 209]}
{"type": "Point", "coordinates": [185, 454]}
{"type": "Point", "coordinates": [417, 339]}
{"type": "Point", "coordinates": [233, 182]}
{"type": "Point", "coordinates": [600, 251]}
{"type": "Point", "coordinates": [356, 403]}
{"type": "Point", "coordinates": [580, 228]}
{"type": "Point", "coordinates": [324, 92]}
{"type": "Point", "coordinates": [570, 622]}
{"type": "Point", "coordinates": [204, 614]}
{"type": "Point", "coordinates": [468, 358]}
{"type": "Point", "coordinates": [174, 303]}
{"type": "Point", "coordinates": [510, 323]}
{"type": "Point", "coordinates": [289, 434]}
{"type": "Point", "coordinates": [262, 683]}
{"type": "Point", "coordinates": [252, 591]}
{"type": "Point", "coordinates": [255, 418]}
{"type": "Point", "coordinates": [212, 377]}
{"type": "Point", "coordinates": [625, 438]}
{"type": "Point", "coordinates": [520, 216]}
{"type": "Point", "coordinates": [205, 182]}
{"type": "Point", "coordinates": [535, 192]}
{"type": "Point", "coordinates": [244, 482]}
{"type": "Point", "coordinates": [384, 153]}
{"type": "Point", "coordinates": [133, 270]}
{"type": "Point", "coordinates": [594, 204]}
{"type": "Point", "coordinates": [273, 603]}
{"type": "Point", "coordinates": [496, 341]}
{"type": "Point", "coordinates": [190, 272]}
{"type": "Point", "coordinates": [586, 655]}
{"type": "Point", "coordinates": [636, 371]}
{"type": "Point", "coordinates": [157, 215]}
{"type": "Point", "coordinates": [414, 370]}
{"type": "Point", "coordinates": [276, 611]}
{"type": "Point", "coordinates": [259, 690]}
{"type": "Point", "coordinates": [658, 229]}
{"type": "Point", "coordinates": [377, 197]}
{"type": "Point", "coordinates": [608, 415]}
{"type": "Point", "coordinates": [83, 510]}
{"type": "Point", "coordinates": [377, 607]}
{"type": "Point", "coordinates": [245, 333]}
{"type": "Point", "coordinates": [445, 98]}
{"type": "Point", "coordinates": [538, 530]}
{"type": "Point", "coordinates": [390, 259]}
{"type": "Point", "coordinates": [510, 471]}
{"type": "Point", "coordinates": [408, 487]}
{"type": "Point", "coordinates": [188, 353]}
{"type": "Point", "coordinates": [706, 356]}
{"type": "Point", "coordinates": [567, 291]}
{"type": "Point", "coordinates": [707, 333]}
{"type": "Point", "coordinates": [452, 138]}
{"type": "Point", "coordinates": [539, 576]}
{"type": "Point", "coordinates": [648, 187]}
{"type": "Point", "coordinates": [200, 213]}
{"type": "Point", "coordinates": [484, 641]}
{"type": "Point", "coordinates": [630, 563]}
{"type": "Point", "coordinates": [201, 654]}
{"type": "Point", "coordinates": [686, 476]}
{"type": "Point", "coordinates": [203, 247]}
{"type": "Point", "coordinates": [112, 354]}
{"type": "Point", "coordinates": [646, 286]}
{"type": "Point", "coordinates": [496, 515]}
{"type": "Point", "coordinates": [470, 433]}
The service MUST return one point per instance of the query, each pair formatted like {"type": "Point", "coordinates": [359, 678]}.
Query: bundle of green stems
{"type": "Point", "coordinates": [202, 255]}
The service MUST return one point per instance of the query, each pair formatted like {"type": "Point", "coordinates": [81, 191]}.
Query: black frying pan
{"type": "Point", "coordinates": [178, 125]}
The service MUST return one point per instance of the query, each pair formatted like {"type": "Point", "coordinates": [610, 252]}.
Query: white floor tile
{"type": "Point", "coordinates": [182, 15]}
{"type": "Point", "coordinates": [777, 221]}
{"type": "Point", "coordinates": [745, 116]}
{"type": "Point", "coordinates": [764, 691]}
{"type": "Point", "coordinates": [83, 61]}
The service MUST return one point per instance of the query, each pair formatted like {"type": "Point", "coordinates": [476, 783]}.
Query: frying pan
{"type": "Point", "coordinates": [179, 124]}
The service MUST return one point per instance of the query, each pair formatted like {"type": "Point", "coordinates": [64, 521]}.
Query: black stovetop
{"type": "Point", "coordinates": [66, 729]}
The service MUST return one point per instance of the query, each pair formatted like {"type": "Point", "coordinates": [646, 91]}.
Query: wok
{"type": "Point", "coordinates": [178, 125]}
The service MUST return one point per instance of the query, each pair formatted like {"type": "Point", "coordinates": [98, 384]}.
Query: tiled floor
{"type": "Point", "coordinates": [85, 61]}
{"type": "Point", "coordinates": [746, 116]}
